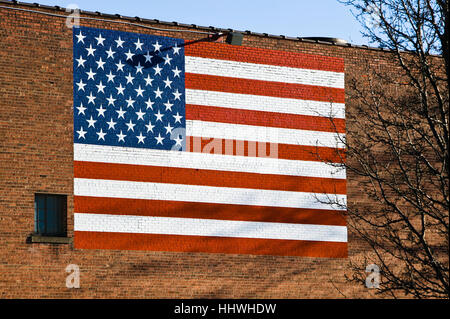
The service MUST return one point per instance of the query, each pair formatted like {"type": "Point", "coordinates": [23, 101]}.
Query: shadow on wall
{"type": "Point", "coordinates": [151, 59]}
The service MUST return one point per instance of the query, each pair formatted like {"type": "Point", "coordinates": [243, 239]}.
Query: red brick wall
{"type": "Point", "coordinates": [36, 156]}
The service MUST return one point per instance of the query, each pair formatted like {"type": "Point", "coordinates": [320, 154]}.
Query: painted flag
{"type": "Point", "coordinates": [206, 147]}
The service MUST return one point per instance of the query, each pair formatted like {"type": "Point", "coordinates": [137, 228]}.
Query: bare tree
{"type": "Point", "coordinates": [397, 148]}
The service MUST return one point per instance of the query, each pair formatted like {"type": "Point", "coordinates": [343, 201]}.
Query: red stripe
{"type": "Point", "coordinates": [263, 56]}
{"type": "Point", "coordinates": [285, 151]}
{"type": "Point", "coordinates": [266, 88]}
{"type": "Point", "coordinates": [260, 118]}
{"type": "Point", "coordinates": [178, 243]}
{"type": "Point", "coordinates": [160, 208]}
{"type": "Point", "coordinates": [188, 176]}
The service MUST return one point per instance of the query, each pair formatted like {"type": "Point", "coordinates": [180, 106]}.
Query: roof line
{"type": "Point", "coordinates": [206, 30]}
{"type": "Point", "coordinates": [104, 20]}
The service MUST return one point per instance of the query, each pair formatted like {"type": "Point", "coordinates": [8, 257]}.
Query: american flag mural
{"type": "Point", "coordinates": [196, 146]}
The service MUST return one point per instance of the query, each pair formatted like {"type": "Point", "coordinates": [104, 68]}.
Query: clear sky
{"type": "Point", "coordinates": [304, 18]}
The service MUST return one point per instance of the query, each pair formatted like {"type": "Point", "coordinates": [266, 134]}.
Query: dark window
{"type": "Point", "coordinates": [50, 214]}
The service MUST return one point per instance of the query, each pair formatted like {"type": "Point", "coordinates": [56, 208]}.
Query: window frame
{"type": "Point", "coordinates": [61, 218]}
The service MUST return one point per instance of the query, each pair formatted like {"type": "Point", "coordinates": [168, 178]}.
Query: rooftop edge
{"type": "Point", "coordinates": [212, 29]}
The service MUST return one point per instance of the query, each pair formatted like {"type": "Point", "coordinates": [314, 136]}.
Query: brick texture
{"type": "Point", "coordinates": [36, 156]}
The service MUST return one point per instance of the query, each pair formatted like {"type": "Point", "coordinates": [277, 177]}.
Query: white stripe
{"type": "Point", "coordinates": [207, 227]}
{"type": "Point", "coordinates": [204, 194]}
{"type": "Point", "coordinates": [264, 134]}
{"type": "Point", "coordinates": [264, 72]}
{"type": "Point", "coordinates": [265, 103]}
{"type": "Point", "coordinates": [218, 162]}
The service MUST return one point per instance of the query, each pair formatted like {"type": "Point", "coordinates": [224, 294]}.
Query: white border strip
{"type": "Point", "coordinates": [204, 194]}
{"type": "Point", "coordinates": [218, 162]}
{"type": "Point", "coordinates": [265, 103]}
{"type": "Point", "coordinates": [263, 72]}
{"type": "Point", "coordinates": [207, 227]}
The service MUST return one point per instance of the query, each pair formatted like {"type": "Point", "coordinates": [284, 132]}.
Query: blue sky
{"type": "Point", "coordinates": [326, 18]}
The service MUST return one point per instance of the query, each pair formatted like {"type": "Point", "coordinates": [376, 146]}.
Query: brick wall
{"type": "Point", "coordinates": [36, 156]}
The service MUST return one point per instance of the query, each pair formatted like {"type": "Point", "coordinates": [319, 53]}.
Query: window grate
{"type": "Point", "coordinates": [50, 215]}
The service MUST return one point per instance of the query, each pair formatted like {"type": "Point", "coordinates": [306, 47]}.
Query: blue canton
{"type": "Point", "coordinates": [128, 89]}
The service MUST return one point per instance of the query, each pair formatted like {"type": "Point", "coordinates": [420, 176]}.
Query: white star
{"type": "Point", "coordinates": [120, 66]}
{"type": "Point", "coordinates": [111, 124]}
{"type": "Point", "coordinates": [121, 137]}
{"type": "Point", "coordinates": [139, 91]}
{"type": "Point", "coordinates": [111, 100]}
{"type": "Point", "coordinates": [110, 77]}
{"type": "Point", "coordinates": [100, 63]}
{"type": "Point", "coordinates": [157, 69]}
{"type": "Point", "coordinates": [138, 44]}
{"type": "Point", "coordinates": [139, 68]}
{"type": "Point", "coordinates": [168, 83]}
{"type": "Point", "coordinates": [81, 133]}
{"type": "Point", "coordinates": [90, 50]}
{"type": "Point", "coordinates": [81, 109]}
{"type": "Point", "coordinates": [177, 95]}
{"type": "Point", "coordinates": [91, 122]}
{"type": "Point", "coordinates": [91, 98]}
{"type": "Point", "coordinates": [119, 42]}
{"type": "Point", "coordinates": [157, 46]}
{"type": "Point", "coordinates": [100, 87]}
{"type": "Point", "coordinates": [176, 49]}
{"type": "Point", "coordinates": [110, 53]}
{"type": "Point", "coordinates": [168, 128]}
{"type": "Point", "coordinates": [121, 113]}
{"type": "Point", "coordinates": [120, 89]}
{"type": "Point", "coordinates": [177, 117]}
{"type": "Point", "coordinates": [176, 72]}
{"type": "Point", "coordinates": [148, 80]}
{"type": "Point", "coordinates": [130, 102]}
{"type": "Point", "coordinates": [159, 139]}
{"type": "Point", "coordinates": [100, 39]}
{"type": "Point", "coordinates": [80, 61]}
{"type": "Point", "coordinates": [178, 140]}
{"type": "Point", "coordinates": [158, 93]}
{"type": "Point", "coordinates": [101, 111]}
{"type": "Point", "coordinates": [91, 74]}
{"type": "Point", "coordinates": [141, 138]}
{"type": "Point", "coordinates": [167, 60]}
{"type": "Point", "coordinates": [159, 116]}
{"type": "Point", "coordinates": [148, 57]}
{"type": "Point", "coordinates": [80, 37]}
{"type": "Point", "coordinates": [130, 125]}
{"type": "Point", "coordinates": [101, 135]}
{"type": "Point", "coordinates": [129, 55]}
{"type": "Point", "coordinates": [168, 106]}
{"type": "Point", "coordinates": [129, 78]}
{"type": "Point", "coordinates": [140, 115]}
{"type": "Point", "coordinates": [149, 104]}
{"type": "Point", "coordinates": [81, 85]}
{"type": "Point", "coordinates": [149, 127]}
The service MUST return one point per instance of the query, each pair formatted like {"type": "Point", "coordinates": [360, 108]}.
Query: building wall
{"type": "Point", "coordinates": [36, 156]}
